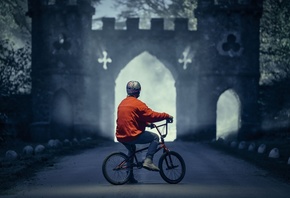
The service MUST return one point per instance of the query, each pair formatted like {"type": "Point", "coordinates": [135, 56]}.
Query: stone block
{"type": "Point", "coordinates": [274, 153]}
{"type": "Point", "coordinates": [27, 150]}
{"type": "Point", "coordinates": [39, 149]}
{"type": "Point", "coordinates": [262, 148]}
{"type": "Point", "coordinates": [252, 147]}
{"type": "Point", "coordinates": [11, 155]}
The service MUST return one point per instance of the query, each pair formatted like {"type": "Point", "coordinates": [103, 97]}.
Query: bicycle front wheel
{"type": "Point", "coordinates": [115, 168]}
{"type": "Point", "coordinates": [172, 167]}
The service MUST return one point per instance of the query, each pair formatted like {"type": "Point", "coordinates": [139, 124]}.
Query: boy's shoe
{"type": "Point", "coordinates": [148, 164]}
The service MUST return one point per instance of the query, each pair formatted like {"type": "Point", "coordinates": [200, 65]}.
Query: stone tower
{"type": "Point", "coordinates": [60, 29]}
{"type": "Point", "coordinates": [229, 59]}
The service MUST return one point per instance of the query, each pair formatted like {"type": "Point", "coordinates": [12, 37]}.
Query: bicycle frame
{"type": "Point", "coordinates": [161, 143]}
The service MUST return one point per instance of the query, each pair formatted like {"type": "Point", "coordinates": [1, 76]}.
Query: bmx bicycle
{"type": "Point", "coordinates": [117, 167]}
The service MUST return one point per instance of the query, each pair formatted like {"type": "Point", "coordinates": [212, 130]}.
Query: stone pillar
{"type": "Point", "coordinates": [60, 32]}
{"type": "Point", "coordinates": [186, 107]}
{"type": "Point", "coordinates": [229, 33]}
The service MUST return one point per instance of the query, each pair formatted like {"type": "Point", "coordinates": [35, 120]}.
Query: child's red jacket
{"type": "Point", "coordinates": [132, 117]}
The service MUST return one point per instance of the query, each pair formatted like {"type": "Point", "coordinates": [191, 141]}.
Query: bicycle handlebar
{"type": "Point", "coordinates": [168, 120]}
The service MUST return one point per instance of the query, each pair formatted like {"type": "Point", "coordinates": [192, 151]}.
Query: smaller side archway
{"type": "Point", "coordinates": [228, 115]}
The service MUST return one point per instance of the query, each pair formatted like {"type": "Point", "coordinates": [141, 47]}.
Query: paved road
{"type": "Point", "coordinates": [210, 173]}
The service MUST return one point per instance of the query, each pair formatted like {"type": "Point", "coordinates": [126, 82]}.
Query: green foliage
{"type": "Point", "coordinates": [15, 68]}
{"type": "Point", "coordinates": [13, 22]}
{"type": "Point", "coordinates": [275, 41]}
{"type": "Point", "coordinates": [275, 64]}
{"type": "Point", "coordinates": [14, 48]}
{"type": "Point", "coordinates": [155, 8]}
{"type": "Point", "coordinates": [164, 8]}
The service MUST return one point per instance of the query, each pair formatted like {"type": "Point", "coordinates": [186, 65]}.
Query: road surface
{"type": "Point", "coordinates": [210, 173]}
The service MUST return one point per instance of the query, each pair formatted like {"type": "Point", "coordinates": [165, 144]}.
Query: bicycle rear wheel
{"type": "Point", "coordinates": [172, 167]}
{"type": "Point", "coordinates": [115, 168]}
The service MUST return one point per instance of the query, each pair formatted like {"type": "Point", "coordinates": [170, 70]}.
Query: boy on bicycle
{"type": "Point", "coordinates": [132, 117]}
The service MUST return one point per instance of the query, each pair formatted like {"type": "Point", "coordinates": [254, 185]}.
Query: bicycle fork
{"type": "Point", "coordinates": [168, 159]}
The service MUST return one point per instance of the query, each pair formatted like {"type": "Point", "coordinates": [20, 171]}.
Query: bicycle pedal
{"type": "Point", "coordinates": [139, 165]}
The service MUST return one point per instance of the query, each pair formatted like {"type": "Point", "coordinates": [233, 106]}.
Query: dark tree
{"type": "Point", "coordinates": [275, 41]}
{"type": "Point", "coordinates": [15, 68]}
{"type": "Point", "coordinates": [14, 48]}
{"type": "Point", "coordinates": [275, 65]}
{"type": "Point", "coordinates": [156, 8]}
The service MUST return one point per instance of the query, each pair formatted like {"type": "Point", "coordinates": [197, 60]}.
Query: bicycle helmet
{"type": "Point", "coordinates": [133, 88]}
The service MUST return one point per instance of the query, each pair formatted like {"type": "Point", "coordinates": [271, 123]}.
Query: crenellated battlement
{"type": "Point", "coordinates": [157, 24]}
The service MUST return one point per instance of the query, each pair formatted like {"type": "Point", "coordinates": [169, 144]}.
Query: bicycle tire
{"type": "Point", "coordinates": [172, 167]}
{"type": "Point", "coordinates": [115, 169]}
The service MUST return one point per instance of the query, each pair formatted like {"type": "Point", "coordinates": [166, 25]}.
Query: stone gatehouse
{"type": "Point", "coordinates": [72, 92]}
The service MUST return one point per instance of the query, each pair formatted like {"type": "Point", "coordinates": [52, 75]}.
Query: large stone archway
{"type": "Point", "coordinates": [158, 86]}
{"type": "Point", "coordinates": [166, 53]}
{"type": "Point", "coordinates": [222, 53]}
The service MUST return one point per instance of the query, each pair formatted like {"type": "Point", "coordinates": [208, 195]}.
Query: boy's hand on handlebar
{"type": "Point", "coordinates": [170, 119]}
{"type": "Point", "coordinates": [151, 125]}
